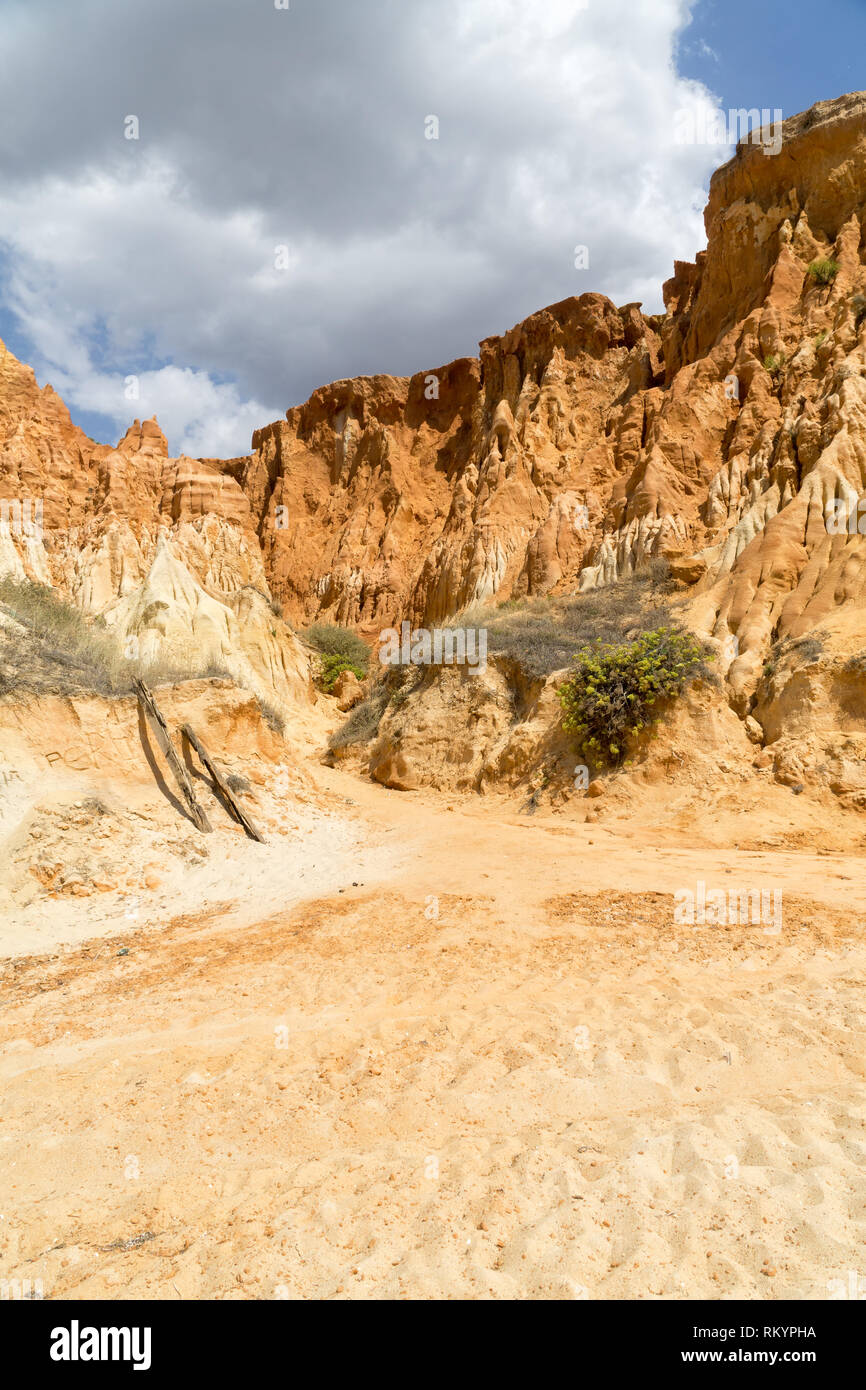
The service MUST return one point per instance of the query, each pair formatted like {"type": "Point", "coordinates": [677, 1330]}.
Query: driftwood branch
{"type": "Point", "coordinates": [167, 748]}
{"type": "Point", "coordinates": [223, 787]}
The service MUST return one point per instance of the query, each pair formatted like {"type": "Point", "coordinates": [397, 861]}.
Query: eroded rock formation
{"type": "Point", "coordinates": [582, 442]}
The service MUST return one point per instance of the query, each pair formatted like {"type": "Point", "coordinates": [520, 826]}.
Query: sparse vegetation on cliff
{"type": "Point", "coordinates": [62, 651]}
{"type": "Point", "coordinates": [363, 723]}
{"type": "Point", "coordinates": [541, 635]}
{"type": "Point", "coordinates": [341, 650]}
{"type": "Point", "coordinates": [614, 690]}
{"type": "Point", "coordinates": [824, 271]}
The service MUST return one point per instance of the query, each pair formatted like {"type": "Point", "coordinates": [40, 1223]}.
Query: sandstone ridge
{"type": "Point", "coordinates": [583, 442]}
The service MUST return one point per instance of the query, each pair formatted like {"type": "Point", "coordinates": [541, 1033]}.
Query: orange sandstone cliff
{"type": "Point", "coordinates": [586, 440]}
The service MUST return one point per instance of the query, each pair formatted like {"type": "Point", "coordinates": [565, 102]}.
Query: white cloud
{"type": "Point", "coordinates": [204, 418]}
{"type": "Point", "coordinates": [157, 257]}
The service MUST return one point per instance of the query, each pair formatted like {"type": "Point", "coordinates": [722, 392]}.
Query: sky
{"type": "Point", "coordinates": [207, 210]}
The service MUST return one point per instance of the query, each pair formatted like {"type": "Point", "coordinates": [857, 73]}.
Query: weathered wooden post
{"type": "Point", "coordinates": [223, 787]}
{"type": "Point", "coordinates": [163, 738]}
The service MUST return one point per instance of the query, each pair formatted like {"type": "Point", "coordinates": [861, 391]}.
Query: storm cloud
{"type": "Point", "coordinates": [283, 218]}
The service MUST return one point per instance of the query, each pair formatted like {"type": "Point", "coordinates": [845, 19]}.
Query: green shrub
{"type": "Point", "coordinates": [611, 695]}
{"type": "Point", "coordinates": [824, 272]}
{"type": "Point", "coordinates": [341, 649]}
{"type": "Point", "coordinates": [774, 366]}
{"type": "Point", "coordinates": [820, 339]}
{"type": "Point", "coordinates": [334, 666]}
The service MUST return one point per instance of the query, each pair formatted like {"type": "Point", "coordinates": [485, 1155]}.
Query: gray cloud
{"type": "Point", "coordinates": [262, 127]}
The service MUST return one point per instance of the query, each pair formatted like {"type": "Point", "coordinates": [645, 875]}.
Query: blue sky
{"type": "Point", "coordinates": [156, 258]}
{"type": "Point", "coordinates": [789, 54]}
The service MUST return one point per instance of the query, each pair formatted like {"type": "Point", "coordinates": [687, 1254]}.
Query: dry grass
{"type": "Point", "coordinates": [63, 652]}
{"type": "Point", "coordinates": [330, 641]}
{"type": "Point", "coordinates": [363, 723]}
{"type": "Point", "coordinates": [543, 635]}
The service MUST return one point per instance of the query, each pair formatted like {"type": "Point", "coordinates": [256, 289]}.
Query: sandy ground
{"type": "Point", "coordinates": [495, 1068]}
{"type": "Point", "coordinates": [311, 849]}
{"type": "Point", "coordinates": [95, 844]}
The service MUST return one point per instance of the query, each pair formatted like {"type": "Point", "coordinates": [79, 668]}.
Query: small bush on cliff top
{"type": "Point", "coordinates": [612, 693]}
{"type": "Point", "coordinates": [824, 271]}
